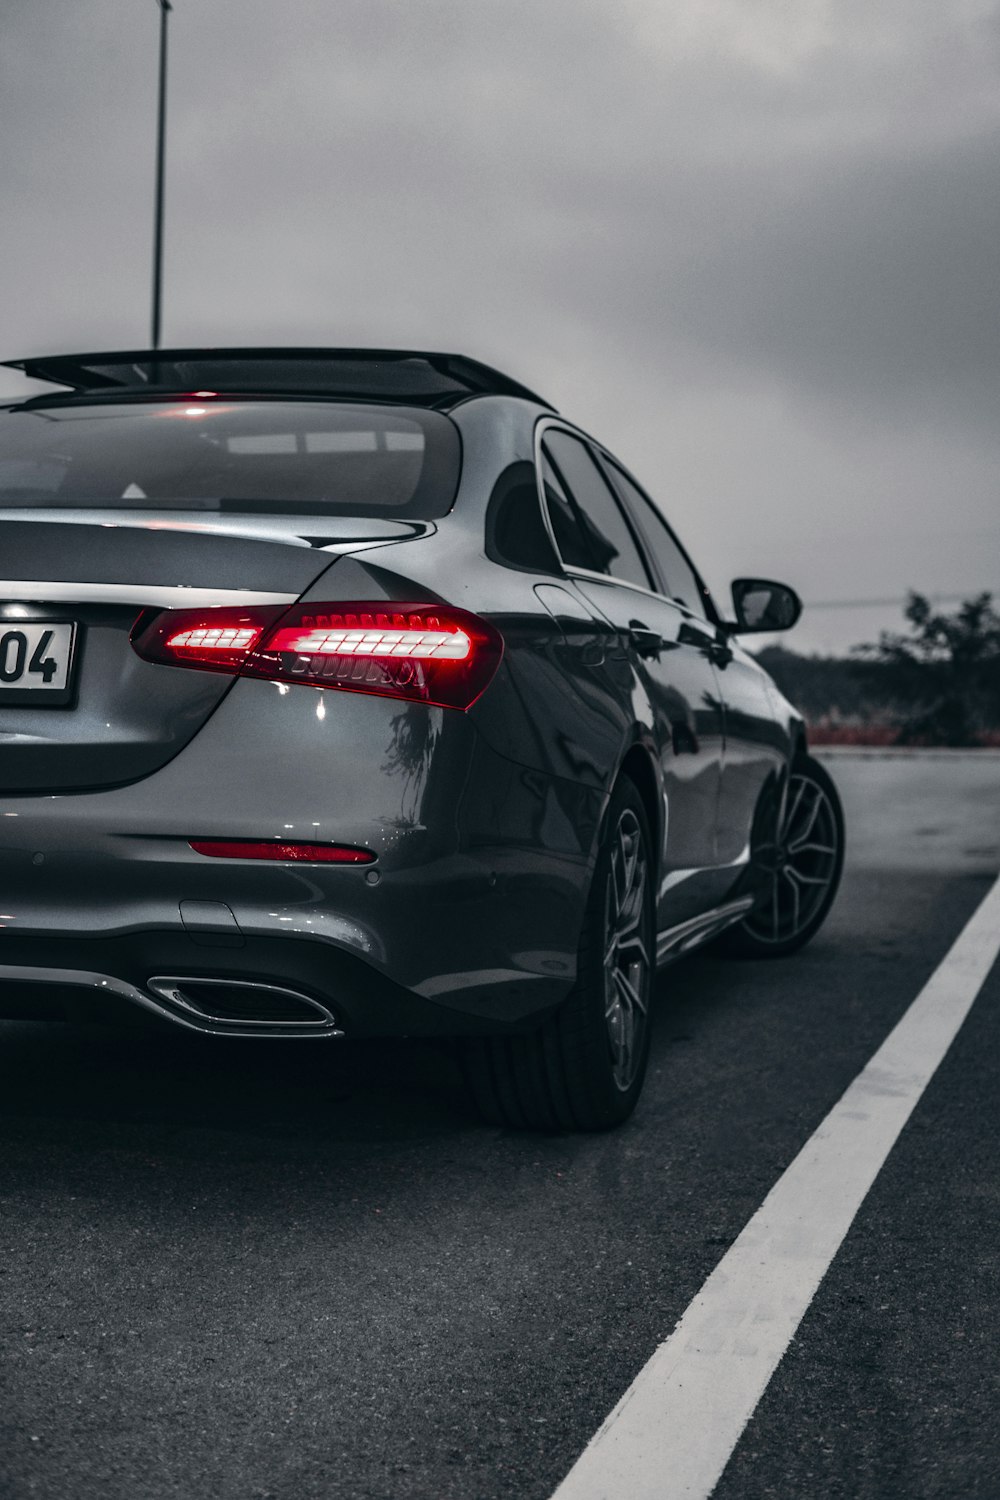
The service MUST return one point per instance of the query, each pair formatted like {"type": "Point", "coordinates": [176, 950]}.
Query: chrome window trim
{"type": "Point", "coordinates": [559, 424]}
{"type": "Point", "coordinates": [637, 588]}
{"type": "Point", "coordinates": [163, 596]}
{"type": "Point", "coordinates": [541, 427]}
{"type": "Point", "coordinates": [615, 463]}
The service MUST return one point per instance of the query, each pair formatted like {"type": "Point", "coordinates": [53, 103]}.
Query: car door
{"type": "Point", "coordinates": [755, 746]}
{"type": "Point", "coordinates": [657, 644]}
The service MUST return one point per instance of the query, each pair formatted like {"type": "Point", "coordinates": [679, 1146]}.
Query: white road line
{"type": "Point", "coordinates": [673, 1431]}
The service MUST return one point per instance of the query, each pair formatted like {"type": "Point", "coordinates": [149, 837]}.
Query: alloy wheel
{"type": "Point", "coordinates": [797, 868]}
{"type": "Point", "coordinates": [626, 950]}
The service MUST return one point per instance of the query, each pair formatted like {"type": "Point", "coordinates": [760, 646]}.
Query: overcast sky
{"type": "Point", "coordinates": [753, 245]}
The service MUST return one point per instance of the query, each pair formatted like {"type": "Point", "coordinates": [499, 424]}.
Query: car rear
{"type": "Point", "coordinates": [239, 783]}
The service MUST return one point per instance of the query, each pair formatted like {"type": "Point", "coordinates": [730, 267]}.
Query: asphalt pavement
{"type": "Point", "coordinates": [280, 1270]}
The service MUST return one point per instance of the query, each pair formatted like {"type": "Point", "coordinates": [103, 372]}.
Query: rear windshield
{"type": "Point", "coordinates": [271, 457]}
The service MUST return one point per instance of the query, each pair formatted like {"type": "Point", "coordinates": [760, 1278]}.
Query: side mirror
{"type": "Point", "coordinates": [761, 605]}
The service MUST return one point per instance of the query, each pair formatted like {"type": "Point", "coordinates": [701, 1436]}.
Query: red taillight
{"type": "Point", "coordinates": [413, 640]}
{"type": "Point", "coordinates": [317, 854]}
{"type": "Point", "coordinates": [426, 652]}
{"type": "Point", "coordinates": [217, 640]}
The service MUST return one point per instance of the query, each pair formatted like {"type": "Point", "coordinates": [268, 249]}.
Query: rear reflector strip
{"type": "Point", "coordinates": [318, 854]}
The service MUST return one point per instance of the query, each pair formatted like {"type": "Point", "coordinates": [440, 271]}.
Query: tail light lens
{"type": "Point", "coordinates": [217, 640]}
{"type": "Point", "coordinates": [426, 652]}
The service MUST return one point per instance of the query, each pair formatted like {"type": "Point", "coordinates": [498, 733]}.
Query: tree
{"type": "Point", "coordinates": [945, 673]}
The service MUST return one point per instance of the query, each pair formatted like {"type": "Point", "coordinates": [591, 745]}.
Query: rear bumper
{"type": "Point", "coordinates": [468, 920]}
{"type": "Point", "coordinates": [107, 980]}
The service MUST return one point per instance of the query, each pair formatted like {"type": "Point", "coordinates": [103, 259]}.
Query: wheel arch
{"type": "Point", "coordinates": [800, 741]}
{"type": "Point", "coordinates": [639, 768]}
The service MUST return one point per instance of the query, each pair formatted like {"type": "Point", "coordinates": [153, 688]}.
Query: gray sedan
{"type": "Point", "coordinates": [358, 693]}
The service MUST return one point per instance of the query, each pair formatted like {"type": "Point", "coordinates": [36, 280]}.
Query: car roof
{"type": "Point", "coordinates": [414, 377]}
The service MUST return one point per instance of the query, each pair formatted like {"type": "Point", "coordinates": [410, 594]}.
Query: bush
{"type": "Point", "coordinates": [937, 685]}
{"type": "Point", "coordinates": [945, 674]}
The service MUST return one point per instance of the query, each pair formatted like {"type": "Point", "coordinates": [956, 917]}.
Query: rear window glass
{"type": "Point", "coordinates": [281, 457]}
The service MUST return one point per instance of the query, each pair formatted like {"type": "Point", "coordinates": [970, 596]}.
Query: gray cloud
{"type": "Point", "coordinates": [753, 245]}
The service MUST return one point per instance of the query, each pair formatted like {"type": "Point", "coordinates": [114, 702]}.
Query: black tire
{"type": "Point", "coordinates": [797, 857]}
{"type": "Point", "coordinates": [583, 1069]}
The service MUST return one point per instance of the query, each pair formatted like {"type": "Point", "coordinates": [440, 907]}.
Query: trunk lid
{"type": "Point", "coordinates": [119, 718]}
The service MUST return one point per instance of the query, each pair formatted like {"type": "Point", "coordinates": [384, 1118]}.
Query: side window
{"type": "Point", "coordinates": [565, 520]}
{"type": "Point", "coordinates": [678, 575]}
{"type": "Point", "coordinates": [612, 546]}
{"type": "Point", "coordinates": [515, 532]}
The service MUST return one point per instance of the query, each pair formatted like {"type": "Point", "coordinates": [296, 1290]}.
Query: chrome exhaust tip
{"type": "Point", "coordinates": [243, 1005]}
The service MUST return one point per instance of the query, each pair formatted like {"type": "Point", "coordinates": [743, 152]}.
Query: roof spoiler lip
{"type": "Point", "coordinates": [70, 370]}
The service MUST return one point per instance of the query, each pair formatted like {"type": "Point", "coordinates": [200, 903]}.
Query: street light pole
{"type": "Point", "coordinates": [161, 123]}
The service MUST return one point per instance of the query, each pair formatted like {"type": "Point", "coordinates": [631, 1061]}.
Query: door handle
{"type": "Point", "coordinates": [646, 642]}
{"type": "Point", "coordinates": [719, 652]}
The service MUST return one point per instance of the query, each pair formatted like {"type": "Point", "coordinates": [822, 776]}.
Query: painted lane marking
{"type": "Point", "coordinates": [673, 1431]}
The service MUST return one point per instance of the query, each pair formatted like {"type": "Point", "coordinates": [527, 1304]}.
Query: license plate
{"type": "Point", "coordinates": [36, 662]}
